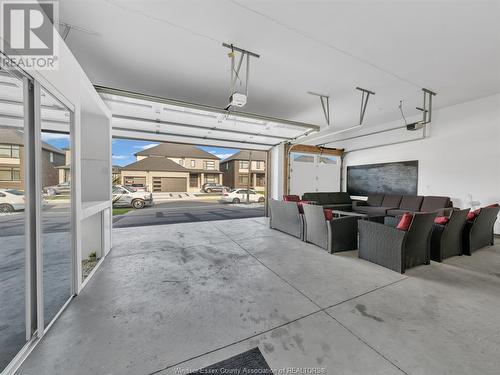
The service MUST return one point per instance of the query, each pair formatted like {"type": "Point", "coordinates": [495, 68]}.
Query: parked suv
{"type": "Point", "coordinates": [210, 187]}
{"type": "Point", "coordinates": [124, 196]}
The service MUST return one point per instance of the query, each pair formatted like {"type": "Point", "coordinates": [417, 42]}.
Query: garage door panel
{"type": "Point", "coordinates": [169, 184]}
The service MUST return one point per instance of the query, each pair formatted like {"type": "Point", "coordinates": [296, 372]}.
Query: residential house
{"type": "Point", "coordinates": [236, 173]}
{"type": "Point", "coordinates": [171, 167]}
{"type": "Point", "coordinates": [12, 160]}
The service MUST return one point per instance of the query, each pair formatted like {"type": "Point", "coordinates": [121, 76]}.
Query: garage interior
{"type": "Point", "coordinates": [320, 87]}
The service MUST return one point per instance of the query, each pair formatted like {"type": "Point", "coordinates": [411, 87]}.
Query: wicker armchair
{"type": "Point", "coordinates": [446, 240]}
{"type": "Point", "coordinates": [339, 234]}
{"type": "Point", "coordinates": [479, 232]}
{"type": "Point", "coordinates": [393, 248]}
{"type": "Point", "coordinates": [285, 217]}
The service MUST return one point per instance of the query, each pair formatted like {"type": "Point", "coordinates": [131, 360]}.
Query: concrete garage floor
{"type": "Point", "coordinates": [178, 297]}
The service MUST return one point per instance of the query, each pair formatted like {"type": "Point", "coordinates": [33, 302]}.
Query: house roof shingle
{"type": "Point", "coordinates": [16, 137]}
{"type": "Point", "coordinates": [155, 164]}
{"type": "Point", "coordinates": [174, 150]}
{"type": "Point", "coordinates": [245, 155]}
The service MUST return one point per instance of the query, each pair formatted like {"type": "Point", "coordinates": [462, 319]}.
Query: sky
{"type": "Point", "coordinates": [124, 150]}
{"type": "Point", "coordinates": [59, 140]}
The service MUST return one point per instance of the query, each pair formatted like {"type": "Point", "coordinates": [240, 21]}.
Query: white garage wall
{"type": "Point", "coordinates": [460, 158]}
{"type": "Point", "coordinates": [277, 171]}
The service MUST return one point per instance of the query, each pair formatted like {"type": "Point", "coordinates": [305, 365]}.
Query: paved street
{"type": "Point", "coordinates": [187, 211]}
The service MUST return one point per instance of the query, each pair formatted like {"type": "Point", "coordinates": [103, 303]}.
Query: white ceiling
{"type": "Point", "coordinates": [173, 49]}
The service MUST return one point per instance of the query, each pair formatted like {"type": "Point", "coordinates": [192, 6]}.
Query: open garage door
{"type": "Point", "coordinates": [169, 125]}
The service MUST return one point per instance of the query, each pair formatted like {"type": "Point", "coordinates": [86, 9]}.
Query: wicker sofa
{"type": "Point", "coordinates": [397, 205]}
{"type": "Point", "coordinates": [334, 200]}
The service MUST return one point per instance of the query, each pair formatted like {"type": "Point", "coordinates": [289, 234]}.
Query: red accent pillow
{"type": "Point", "coordinates": [405, 222]}
{"type": "Point", "coordinates": [443, 220]}
{"type": "Point", "coordinates": [328, 214]}
{"type": "Point", "coordinates": [291, 198]}
{"type": "Point", "coordinates": [473, 214]}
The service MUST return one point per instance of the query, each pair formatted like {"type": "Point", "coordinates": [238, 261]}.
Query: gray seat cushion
{"type": "Point", "coordinates": [433, 203]}
{"type": "Point", "coordinates": [391, 201]}
{"type": "Point", "coordinates": [310, 197]}
{"type": "Point", "coordinates": [339, 198]}
{"type": "Point", "coordinates": [375, 199]}
{"type": "Point", "coordinates": [411, 203]}
{"type": "Point", "coordinates": [369, 210]}
{"type": "Point", "coordinates": [398, 212]}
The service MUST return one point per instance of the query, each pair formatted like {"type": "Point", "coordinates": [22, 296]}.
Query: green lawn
{"type": "Point", "coordinates": [56, 197]}
{"type": "Point", "coordinates": [121, 211]}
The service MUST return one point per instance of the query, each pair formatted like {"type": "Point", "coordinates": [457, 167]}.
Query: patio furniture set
{"type": "Point", "coordinates": [395, 231]}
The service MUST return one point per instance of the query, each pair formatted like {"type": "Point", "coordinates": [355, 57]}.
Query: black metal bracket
{"type": "Point", "coordinates": [364, 102]}
{"type": "Point", "coordinates": [325, 104]}
{"type": "Point", "coordinates": [426, 108]}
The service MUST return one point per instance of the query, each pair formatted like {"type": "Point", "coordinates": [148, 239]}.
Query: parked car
{"type": "Point", "coordinates": [240, 195]}
{"type": "Point", "coordinates": [62, 188]}
{"type": "Point", "coordinates": [211, 187]}
{"type": "Point", "coordinates": [11, 200]}
{"type": "Point", "coordinates": [124, 196]}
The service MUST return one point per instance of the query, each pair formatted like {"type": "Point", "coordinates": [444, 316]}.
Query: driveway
{"type": "Point", "coordinates": [187, 211]}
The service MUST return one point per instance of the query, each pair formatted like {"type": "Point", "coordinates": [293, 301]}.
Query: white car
{"type": "Point", "coordinates": [124, 196]}
{"type": "Point", "coordinates": [11, 200]}
{"type": "Point", "coordinates": [240, 195]}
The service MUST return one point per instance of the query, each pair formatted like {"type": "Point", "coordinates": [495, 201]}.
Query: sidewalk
{"type": "Point", "coordinates": [162, 197]}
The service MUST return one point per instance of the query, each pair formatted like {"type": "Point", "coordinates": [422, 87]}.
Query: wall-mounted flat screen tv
{"type": "Point", "coordinates": [399, 177]}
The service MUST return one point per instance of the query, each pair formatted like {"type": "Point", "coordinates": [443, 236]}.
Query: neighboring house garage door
{"type": "Point", "coordinates": [169, 184]}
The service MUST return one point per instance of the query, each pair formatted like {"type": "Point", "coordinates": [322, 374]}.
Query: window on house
{"type": "Point", "coordinates": [243, 164]}
{"type": "Point", "coordinates": [193, 179]}
{"type": "Point", "coordinates": [10, 174]}
{"type": "Point", "coordinates": [210, 178]}
{"type": "Point", "coordinates": [210, 165]}
{"type": "Point", "coordinates": [51, 157]}
{"type": "Point", "coordinates": [181, 162]}
{"type": "Point", "coordinates": [258, 165]}
{"type": "Point", "coordinates": [243, 179]}
{"type": "Point", "coordinates": [9, 151]}
{"type": "Point", "coordinates": [193, 163]}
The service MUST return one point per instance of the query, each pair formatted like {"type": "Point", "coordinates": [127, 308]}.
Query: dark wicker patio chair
{"type": "Point", "coordinates": [446, 240]}
{"type": "Point", "coordinates": [285, 217]}
{"type": "Point", "coordinates": [339, 234]}
{"type": "Point", "coordinates": [478, 233]}
{"type": "Point", "coordinates": [396, 249]}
